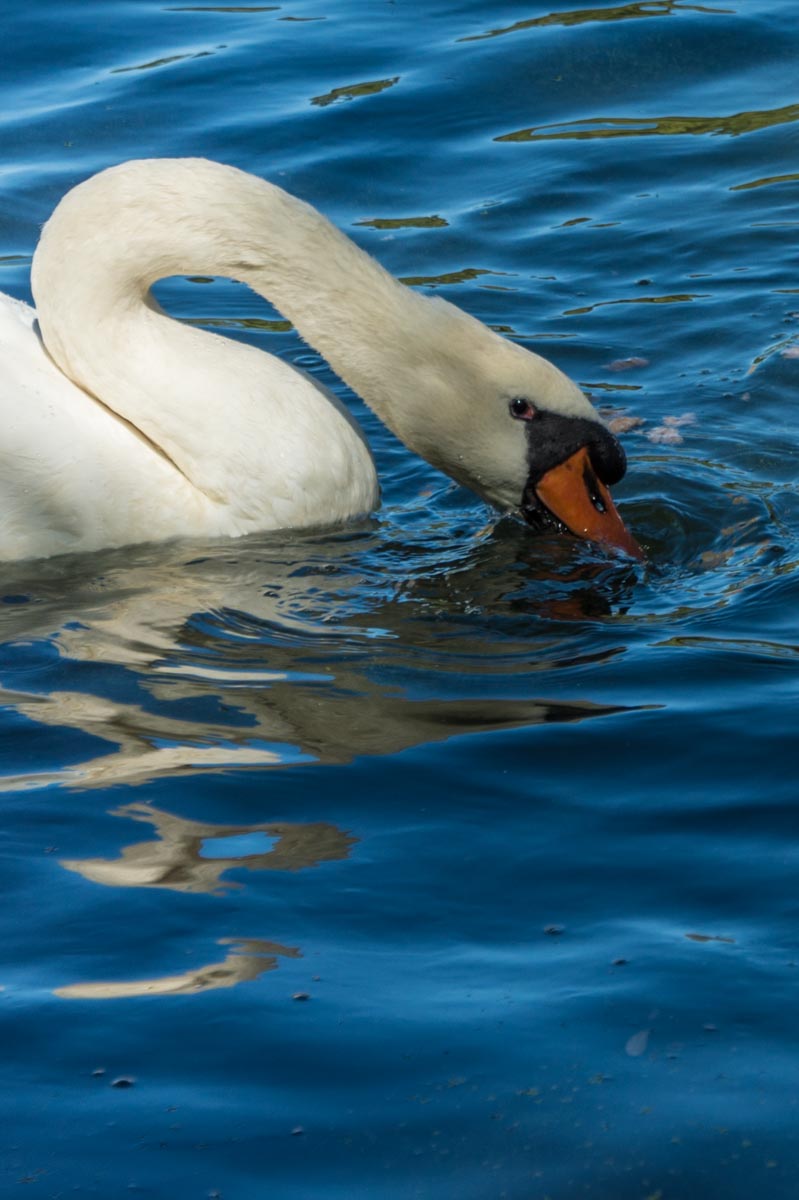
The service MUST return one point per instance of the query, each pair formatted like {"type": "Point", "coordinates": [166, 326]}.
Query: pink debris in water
{"type": "Point", "coordinates": [667, 434]}
{"type": "Point", "coordinates": [791, 352]}
{"type": "Point", "coordinates": [624, 424]}
{"type": "Point", "coordinates": [685, 419]}
{"type": "Point", "coordinates": [663, 435]}
{"type": "Point", "coordinates": [626, 364]}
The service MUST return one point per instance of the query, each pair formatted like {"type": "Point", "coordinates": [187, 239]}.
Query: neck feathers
{"type": "Point", "coordinates": [113, 236]}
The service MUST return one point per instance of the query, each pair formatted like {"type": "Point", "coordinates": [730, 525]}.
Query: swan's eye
{"type": "Point", "coordinates": [521, 409]}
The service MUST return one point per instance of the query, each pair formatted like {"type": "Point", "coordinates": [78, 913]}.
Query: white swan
{"type": "Point", "coordinates": [120, 424]}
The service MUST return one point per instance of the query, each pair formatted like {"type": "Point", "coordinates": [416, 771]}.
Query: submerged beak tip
{"type": "Point", "coordinates": [626, 545]}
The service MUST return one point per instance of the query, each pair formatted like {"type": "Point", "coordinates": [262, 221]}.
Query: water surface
{"type": "Point", "coordinates": [427, 858]}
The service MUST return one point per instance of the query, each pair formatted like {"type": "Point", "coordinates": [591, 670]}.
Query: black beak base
{"type": "Point", "coordinates": [552, 439]}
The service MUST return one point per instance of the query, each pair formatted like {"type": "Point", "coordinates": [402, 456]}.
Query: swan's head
{"type": "Point", "coordinates": [522, 435]}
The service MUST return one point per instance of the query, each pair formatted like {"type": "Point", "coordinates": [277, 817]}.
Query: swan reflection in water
{"type": "Point", "coordinates": [316, 650]}
{"type": "Point", "coordinates": [250, 959]}
{"type": "Point", "coordinates": [192, 856]}
{"type": "Point", "coordinates": [319, 649]}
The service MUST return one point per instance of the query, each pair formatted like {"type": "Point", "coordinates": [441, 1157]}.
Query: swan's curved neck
{"type": "Point", "coordinates": [112, 237]}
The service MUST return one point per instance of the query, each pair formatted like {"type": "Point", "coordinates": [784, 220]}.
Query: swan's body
{"type": "Point", "coordinates": [74, 476]}
{"type": "Point", "coordinates": [120, 424]}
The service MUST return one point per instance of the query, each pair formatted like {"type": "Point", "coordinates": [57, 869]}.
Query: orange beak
{"type": "Point", "coordinates": [572, 492]}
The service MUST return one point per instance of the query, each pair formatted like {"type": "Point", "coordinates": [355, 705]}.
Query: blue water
{"type": "Point", "coordinates": [427, 858]}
